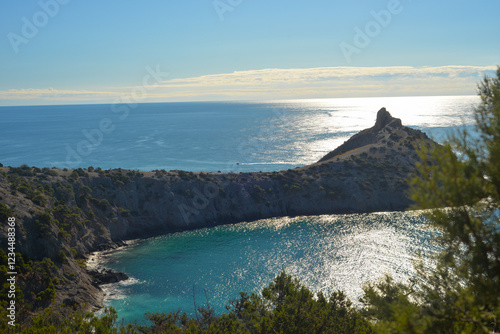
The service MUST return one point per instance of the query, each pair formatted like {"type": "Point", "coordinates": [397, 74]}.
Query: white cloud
{"type": "Point", "coordinates": [318, 75]}
{"type": "Point", "coordinates": [280, 84]}
{"type": "Point", "coordinates": [53, 94]}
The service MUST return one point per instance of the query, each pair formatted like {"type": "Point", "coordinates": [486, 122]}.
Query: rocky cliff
{"type": "Point", "coordinates": [65, 214]}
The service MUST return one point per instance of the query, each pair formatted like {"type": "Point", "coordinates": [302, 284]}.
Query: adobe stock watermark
{"type": "Point", "coordinates": [11, 273]}
{"type": "Point", "coordinates": [31, 27]}
{"type": "Point", "coordinates": [257, 143]}
{"type": "Point", "coordinates": [121, 107]}
{"type": "Point", "coordinates": [202, 197]}
{"type": "Point", "coordinates": [223, 6]}
{"type": "Point", "coordinates": [373, 28]}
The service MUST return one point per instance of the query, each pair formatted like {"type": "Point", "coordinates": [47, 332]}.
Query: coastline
{"type": "Point", "coordinates": [103, 277]}
{"type": "Point", "coordinates": [95, 259]}
{"type": "Point", "coordinates": [84, 214]}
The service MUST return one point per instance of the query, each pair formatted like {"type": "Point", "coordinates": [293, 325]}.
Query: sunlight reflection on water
{"type": "Point", "coordinates": [321, 125]}
{"type": "Point", "coordinates": [325, 252]}
{"type": "Point", "coordinates": [214, 136]}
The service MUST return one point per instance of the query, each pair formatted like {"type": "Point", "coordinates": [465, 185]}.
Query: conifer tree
{"type": "Point", "coordinates": [458, 184]}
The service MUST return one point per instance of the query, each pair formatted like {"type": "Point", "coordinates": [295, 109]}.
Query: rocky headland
{"type": "Point", "coordinates": [63, 215]}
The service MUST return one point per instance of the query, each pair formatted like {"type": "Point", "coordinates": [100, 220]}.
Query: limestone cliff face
{"type": "Point", "coordinates": [81, 211]}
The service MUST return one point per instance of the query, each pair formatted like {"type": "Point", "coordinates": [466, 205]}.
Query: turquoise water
{"type": "Point", "coordinates": [326, 253]}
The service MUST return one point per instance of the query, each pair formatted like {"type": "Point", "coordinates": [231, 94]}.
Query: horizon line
{"type": "Point", "coordinates": [155, 86]}
{"type": "Point", "coordinates": [236, 100]}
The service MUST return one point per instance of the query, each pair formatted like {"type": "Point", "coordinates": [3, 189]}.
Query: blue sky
{"type": "Point", "coordinates": [102, 51]}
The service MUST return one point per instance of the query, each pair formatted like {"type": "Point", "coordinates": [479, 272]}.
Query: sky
{"type": "Point", "coordinates": [77, 52]}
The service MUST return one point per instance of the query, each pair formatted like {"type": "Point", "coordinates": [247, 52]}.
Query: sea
{"type": "Point", "coordinates": [186, 270]}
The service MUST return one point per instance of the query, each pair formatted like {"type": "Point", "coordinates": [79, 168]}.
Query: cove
{"type": "Point", "coordinates": [327, 253]}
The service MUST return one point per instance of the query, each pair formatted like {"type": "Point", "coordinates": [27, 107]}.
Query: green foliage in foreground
{"type": "Point", "coordinates": [460, 293]}
{"type": "Point", "coordinates": [285, 307]}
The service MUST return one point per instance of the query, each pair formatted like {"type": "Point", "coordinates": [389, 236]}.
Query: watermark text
{"type": "Point", "coordinates": [11, 273]}
{"type": "Point", "coordinates": [31, 26]}
{"type": "Point", "coordinates": [373, 28]}
{"type": "Point", "coordinates": [223, 6]}
{"type": "Point", "coordinates": [121, 107]}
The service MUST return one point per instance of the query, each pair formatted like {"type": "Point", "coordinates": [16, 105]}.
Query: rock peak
{"type": "Point", "coordinates": [384, 118]}
{"type": "Point", "coordinates": [384, 126]}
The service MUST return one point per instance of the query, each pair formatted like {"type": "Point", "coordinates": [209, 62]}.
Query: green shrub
{"type": "Point", "coordinates": [48, 171]}
{"type": "Point", "coordinates": [5, 213]}
{"type": "Point", "coordinates": [61, 256]}
{"type": "Point", "coordinates": [47, 295]}
{"type": "Point", "coordinates": [102, 204]}
{"type": "Point", "coordinates": [42, 223]}
{"type": "Point", "coordinates": [23, 170]}
{"type": "Point", "coordinates": [63, 191]}
{"type": "Point", "coordinates": [84, 190]}
{"type": "Point", "coordinates": [82, 264]}
{"type": "Point", "coordinates": [39, 200]}
{"type": "Point", "coordinates": [124, 212]}
{"type": "Point", "coordinates": [63, 234]}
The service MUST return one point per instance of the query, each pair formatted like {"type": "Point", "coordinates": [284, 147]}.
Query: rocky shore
{"type": "Point", "coordinates": [66, 214]}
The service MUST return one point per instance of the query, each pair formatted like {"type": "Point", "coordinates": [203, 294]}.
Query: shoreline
{"type": "Point", "coordinates": [94, 259]}
{"type": "Point", "coordinates": [116, 295]}
{"type": "Point", "coordinates": [96, 269]}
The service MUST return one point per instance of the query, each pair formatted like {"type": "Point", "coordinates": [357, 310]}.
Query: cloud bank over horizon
{"type": "Point", "coordinates": [271, 84]}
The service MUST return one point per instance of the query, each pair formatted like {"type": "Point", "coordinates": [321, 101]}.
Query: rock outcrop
{"type": "Point", "coordinates": [378, 135]}
{"type": "Point", "coordinates": [79, 211]}
{"type": "Point", "coordinates": [106, 276]}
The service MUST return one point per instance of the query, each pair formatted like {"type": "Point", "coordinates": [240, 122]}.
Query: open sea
{"type": "Point", "coordinates": [180, 270]}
